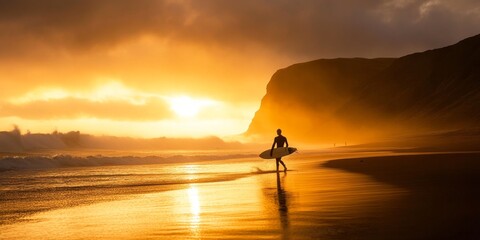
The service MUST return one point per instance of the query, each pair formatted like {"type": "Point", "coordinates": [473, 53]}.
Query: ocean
{"type": "Point", "coordinates": [202, 196]}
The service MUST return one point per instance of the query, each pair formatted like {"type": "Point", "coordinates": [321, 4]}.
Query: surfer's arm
{"type": "Point", "coordinates": [286, 141]}
{"type": "Point", "coordinates": [273, 145]}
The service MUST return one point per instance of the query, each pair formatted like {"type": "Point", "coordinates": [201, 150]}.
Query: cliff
{"type": "Point", "coordinates": [360, 100]}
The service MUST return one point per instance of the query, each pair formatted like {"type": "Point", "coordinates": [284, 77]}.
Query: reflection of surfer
{"type": "Point", "coordinates": [282, 206]}
{"type": "Point", "coordinates": [282, 195]}
{"type": "Point", "coordinates": [280, 140]}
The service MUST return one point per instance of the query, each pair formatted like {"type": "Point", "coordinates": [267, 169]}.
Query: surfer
{"type": "Point", "coordinates": [279, 140]}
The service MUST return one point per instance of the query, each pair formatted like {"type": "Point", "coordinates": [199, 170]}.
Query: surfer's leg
{"type": "Point", "coordinates": [277, 160]}
{"type": "Point", "coordinates": [285, 167]}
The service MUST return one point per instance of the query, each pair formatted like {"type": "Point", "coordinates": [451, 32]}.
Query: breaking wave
{"type": "Point", "coordinates": [63, 161]}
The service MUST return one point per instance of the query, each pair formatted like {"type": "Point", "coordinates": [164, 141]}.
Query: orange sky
{"type": "Point", "coordinates": [189, 68]}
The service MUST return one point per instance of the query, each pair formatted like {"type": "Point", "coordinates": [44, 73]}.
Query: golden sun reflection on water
{"type": "Point", "coordinates": [194, 201]}
{"type": "Point", "coordinates": [192, 171]}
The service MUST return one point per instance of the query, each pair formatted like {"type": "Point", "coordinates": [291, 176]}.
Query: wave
{"type": "Point", "coordinates": [65, 161]}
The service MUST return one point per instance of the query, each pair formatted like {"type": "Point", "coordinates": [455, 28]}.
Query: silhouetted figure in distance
{"type": "Point", "coordinates": [280, 141]}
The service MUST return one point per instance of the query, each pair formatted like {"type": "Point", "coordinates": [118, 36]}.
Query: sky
{"type": "Point", "coordinates": [190, 68]}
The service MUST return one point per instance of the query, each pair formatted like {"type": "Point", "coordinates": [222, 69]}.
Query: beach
{"type": "Point", "coordinates": [331, 194]}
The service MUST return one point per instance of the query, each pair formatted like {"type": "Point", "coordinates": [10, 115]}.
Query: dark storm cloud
{"type": "Point", "coordinates": [81, 24]}
{"type": "Point", "coordinates": [325, 28]}
{"type": "Point", "coordinates": [338, 28]}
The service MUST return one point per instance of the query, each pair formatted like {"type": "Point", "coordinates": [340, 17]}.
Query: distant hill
{"type": "Point", "coordinates": [360, 100]}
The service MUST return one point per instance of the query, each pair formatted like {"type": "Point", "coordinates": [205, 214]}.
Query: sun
{"type": "Point", "coordinates": [185, 106]}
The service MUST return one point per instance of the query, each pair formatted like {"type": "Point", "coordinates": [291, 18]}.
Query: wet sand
{"type": "Point", "coordinates": [390, 197]}
{"type": "Point", "coordinates": [443, 194]}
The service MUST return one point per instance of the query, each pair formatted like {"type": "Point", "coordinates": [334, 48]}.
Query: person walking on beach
{"type": "Point", "coordinates": [280, 141]}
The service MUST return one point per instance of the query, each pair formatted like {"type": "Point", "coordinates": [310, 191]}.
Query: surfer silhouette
{"type": "Point", "coordinates": [280, 141]}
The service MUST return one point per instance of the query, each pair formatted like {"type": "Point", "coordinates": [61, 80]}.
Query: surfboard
{"type": "Point", "coordinates": [277, 152]}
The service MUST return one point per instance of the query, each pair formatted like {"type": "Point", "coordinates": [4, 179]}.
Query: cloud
{"type": "Point", "coordinates": [81, 24]}
{"type": "Point", "coordinates": [312, 29]}
{"type": "Point", "coordinates": [109, 100]}
{"type": "Point", "coordinates": [72, 108]}
{"type": "Point", "coordinates": [215, 49]}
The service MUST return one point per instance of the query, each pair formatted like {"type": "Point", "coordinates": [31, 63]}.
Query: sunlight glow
{"type": "Point", "coordinates": [115, 90]}
{"type": "Point", "coordinates": [185, 106]}
{"type": "Point", "coordinates": [110, 89]}
{"type": "Point", "coordinates": [179, 115]}
{"type": "Point", "coordinates": [41, 94]}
